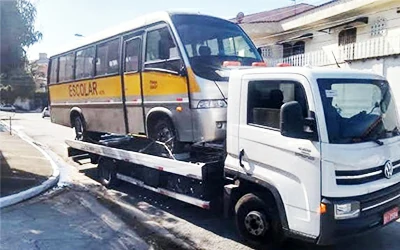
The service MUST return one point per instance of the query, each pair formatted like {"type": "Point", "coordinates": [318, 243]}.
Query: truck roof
{"type": "Point", "coordinates": [309, 72]}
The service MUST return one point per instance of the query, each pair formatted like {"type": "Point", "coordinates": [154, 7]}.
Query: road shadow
{"type": "Point", "coordinates": [13, 181]}
{"type": "Point", "coordinates": [162, 207]}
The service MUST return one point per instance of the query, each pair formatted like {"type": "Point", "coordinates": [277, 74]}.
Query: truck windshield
{"type": "Point", "coordinates": [210, 41]}
{"type": "Point", "coordinates": [358, 110]}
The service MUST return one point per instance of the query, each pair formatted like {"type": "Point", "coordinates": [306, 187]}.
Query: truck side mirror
{"type": "Point", "coordinates": [293, 123]}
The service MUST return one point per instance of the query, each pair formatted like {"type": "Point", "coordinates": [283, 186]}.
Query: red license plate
{"type": "Point", "coordinates": [391, 215]}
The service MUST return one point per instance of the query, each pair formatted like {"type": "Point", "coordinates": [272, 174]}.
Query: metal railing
{"type": "Point", "coordinates": [371, 48]}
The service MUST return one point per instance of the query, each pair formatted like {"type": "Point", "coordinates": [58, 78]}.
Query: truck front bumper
{"type": "Point", "coordinates": [373, 206]}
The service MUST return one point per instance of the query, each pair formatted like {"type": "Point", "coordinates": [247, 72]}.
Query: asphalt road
{"type": "Point", "coordinates": [201, 228]}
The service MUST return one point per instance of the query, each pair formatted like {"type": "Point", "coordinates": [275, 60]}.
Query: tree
{"type": "Point", "coordinates": [17, 18]}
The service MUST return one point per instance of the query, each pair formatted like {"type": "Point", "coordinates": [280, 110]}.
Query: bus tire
{"type": "Point", "coordinates": [163, 130]}
{"type": "Point", "coordinates": [257, 222]}
{"type": "Point", "coordinates": [107, 172]}
{"type": "Point", "coordinates": [79, 126]}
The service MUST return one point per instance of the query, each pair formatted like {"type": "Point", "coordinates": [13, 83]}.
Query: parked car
{"type": "Point", "coordinates": [46, 112]}
{"type": "Point", "coordinates": [7, 107]}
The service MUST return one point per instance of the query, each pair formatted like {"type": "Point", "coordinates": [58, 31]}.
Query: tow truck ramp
{"type": "Point", "coordinates": [191, 182]}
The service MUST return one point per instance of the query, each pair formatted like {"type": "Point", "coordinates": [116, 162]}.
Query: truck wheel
{"type": "Point", "coordinates": [107, 172]}
{"type": "Point", "coordinates": [255, 222]}
{"type": "Point", "coordinates": [164, 131]}
{"type": "Point", "coordinates": [79, 128]}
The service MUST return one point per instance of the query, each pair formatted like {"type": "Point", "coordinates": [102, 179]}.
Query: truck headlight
{"type": "Point", "coordinates": [206, 104]}
{"type": "Point", "coordinates": [347, 210]}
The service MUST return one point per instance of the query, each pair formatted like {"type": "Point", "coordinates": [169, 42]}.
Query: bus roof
{"type": "Point", "coordinates": [121, 28]}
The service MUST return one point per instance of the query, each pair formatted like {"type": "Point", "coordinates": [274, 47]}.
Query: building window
{"type": "Point", "coordinates": [53, 70]}
{"type": "Point", "coordinates": [378, 28]}
{"type": "Point", "coordinates": [287, 49]}
{"type": "Point", "coordinates": [266, 52]}
{"type": "Point", "coordinates": [298, 48]}
{"type": "Point", "coordinates": [107, 60]}
{"type": "Point", "coordinates": [66, 67]}
{"type": "Point", "coordinates": [132, 57]}
{"type": "Point", "coordinates": [84, 63]}
{"type": "Point", "coordinates": [347, 36]}
{"type": "Point", "coordinates": [265, 99]}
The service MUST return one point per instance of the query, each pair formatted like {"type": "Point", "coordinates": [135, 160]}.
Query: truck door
{"type": "Point", "coordinates": [291, 165]}
{"type": "Point", "coordinates": [133, 83]}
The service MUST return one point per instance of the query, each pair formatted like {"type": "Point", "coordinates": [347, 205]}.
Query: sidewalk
{"type": "Point", "coordinates": [22, 166]}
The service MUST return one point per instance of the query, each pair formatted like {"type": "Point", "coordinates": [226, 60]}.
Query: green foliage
{"type": "Point", "coordinates": [17, 18]}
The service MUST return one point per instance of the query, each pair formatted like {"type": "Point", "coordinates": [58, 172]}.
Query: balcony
{"type": "Point", "coordinates": [371, 48]}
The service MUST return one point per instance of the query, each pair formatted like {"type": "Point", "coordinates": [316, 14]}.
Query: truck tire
{"type": "Point", "coordinates": [163, 130]}
{"type": "Point", "coordinates": [107, 172]}
{"type": "Point", "coordinates": [257, 223]}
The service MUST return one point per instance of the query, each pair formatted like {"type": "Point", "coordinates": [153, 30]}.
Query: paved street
{"type": "Point", "coordinates": [198, 227]}
{"type": "Point", "coordinates": [64, 220]}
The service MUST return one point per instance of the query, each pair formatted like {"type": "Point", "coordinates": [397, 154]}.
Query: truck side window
{"type": "Point", "coordinates": [265, 99]}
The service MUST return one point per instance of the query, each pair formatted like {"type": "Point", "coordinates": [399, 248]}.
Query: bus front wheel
{"type": "Point", "coordinates": [163, 130]}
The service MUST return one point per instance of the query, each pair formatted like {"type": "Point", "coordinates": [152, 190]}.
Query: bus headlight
{"type": "Point", "coordinates": [347, 210]}
{"type": "Point", "coordinates": [207, 104]}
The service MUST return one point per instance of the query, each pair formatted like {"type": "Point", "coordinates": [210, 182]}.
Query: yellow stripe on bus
{"type": "Point", "coordinates": [154, 84]}
{"type": "Point", "coordinates": [107, 87]}
{"type": "Point", "coordinates": [158, 83]}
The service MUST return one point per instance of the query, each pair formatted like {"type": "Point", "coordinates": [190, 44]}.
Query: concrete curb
{"type": "Point", "coordinates": [27, 194]}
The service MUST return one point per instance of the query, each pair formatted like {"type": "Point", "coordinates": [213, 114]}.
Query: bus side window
{"type": "Point", "coordinates": [132, 55]}
{"type": "Point", "coordinates": [84, 63]}
{"type": "Point", "coordinates": [107, 60]}
{"type": "Point", "coordinates": [161, 50]}
{"type": "Point", "coordinates": [53, 70]}
{"type": "Point", "coordinates": [66, 68]}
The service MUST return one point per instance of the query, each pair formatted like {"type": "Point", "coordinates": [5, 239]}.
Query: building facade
{"type": "Point", "coordinates": [358, 34]}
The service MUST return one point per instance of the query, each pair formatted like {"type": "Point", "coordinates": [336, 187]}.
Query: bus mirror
{"type": "Point", "coordinates": [182, 71]}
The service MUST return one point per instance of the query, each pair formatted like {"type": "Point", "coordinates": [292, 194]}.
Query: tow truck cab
{"type": "Point", "coordinates": [314, 151]}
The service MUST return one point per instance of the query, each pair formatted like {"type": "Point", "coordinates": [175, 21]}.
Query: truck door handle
{"type": "Point", "coordinates": [241, 154]}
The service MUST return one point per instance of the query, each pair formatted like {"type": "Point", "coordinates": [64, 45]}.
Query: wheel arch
{"type": "Point", "coordinates": [158, 112]}
{"type": "Point", "coordinates": [266, 191]}
{"type": "Point", "coordinates": [74, 112]}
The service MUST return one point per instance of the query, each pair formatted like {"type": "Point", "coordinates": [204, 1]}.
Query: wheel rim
{"type": "Point", "coordinates": [256, 223]}
{"type": "Point", "coordinates": [78, 129]}
{"type": "Point", "coordinates": [166, 135]}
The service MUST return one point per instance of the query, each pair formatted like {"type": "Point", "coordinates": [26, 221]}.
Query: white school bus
{"type": "Point", "coordinates": [164, 75]}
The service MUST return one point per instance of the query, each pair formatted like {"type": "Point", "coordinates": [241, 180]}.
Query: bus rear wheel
{"type": "Point", "coordinates": [79, 128]}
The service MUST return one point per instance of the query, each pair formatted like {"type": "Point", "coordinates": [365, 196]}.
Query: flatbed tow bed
{"type": "Point", "coordinates": [150, 165]}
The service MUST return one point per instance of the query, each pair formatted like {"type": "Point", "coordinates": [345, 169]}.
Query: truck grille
{"type": "Point", "coordinates": [356, 177]}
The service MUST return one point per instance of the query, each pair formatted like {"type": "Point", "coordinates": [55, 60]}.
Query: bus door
{"type": "Point", "coordinates": [132, 80]}
{"type": "Point", "coordinates": [164, 85]}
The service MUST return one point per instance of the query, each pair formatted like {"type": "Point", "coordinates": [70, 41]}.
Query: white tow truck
{"type": "Point", "coordinates": [310, 153]}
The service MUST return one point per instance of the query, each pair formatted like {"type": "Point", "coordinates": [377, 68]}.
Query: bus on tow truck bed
{"type": "Point", "coordinates": [310, 153]}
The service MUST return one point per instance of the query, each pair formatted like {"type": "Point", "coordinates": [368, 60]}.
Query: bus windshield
{"type": "Point", "coordinates": [210, 41]}
{"type": "Point", "coordinates": [358, 110]}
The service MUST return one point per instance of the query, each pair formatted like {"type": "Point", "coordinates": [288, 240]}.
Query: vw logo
{"type": "Point", "coordinates": [388, 169]}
